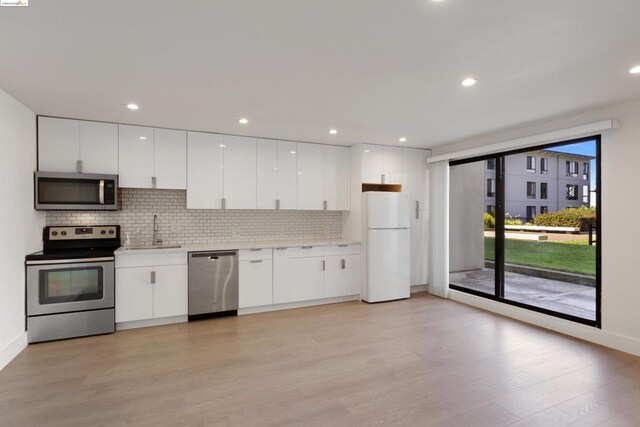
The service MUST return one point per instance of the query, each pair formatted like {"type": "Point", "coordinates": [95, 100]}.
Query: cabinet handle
{"type": "Point", "coordinates": [307, 247]}
{"type": "Point", "coordinates": [255, 261]}
{"type": "Point", "coordinates": [324, 205]}
{"type": "Point", "coordinates": [153, 277]}
{"type": "Point", "coordinates": [343, 263]}
{"type": "Point", "coordinates": [223, 203]}
{"type": "Point", "coordinates": [153, 182]}
{"type": "Point", "coordinates": [281, 249]}
{"type": "Point", "coordinates": [79, 166]}
{"type": "Point", "coordinates": [277, 204]}
{"type": "Point", "coordinates": [417, 209]}
{"type": "Point", "coordinates": [323, 264]}
{"type": "Point", "coordinates": [255, 249]}
{"type": "Point", "coordinates": [343, 246]}
{"type": "Point", "coordinates": [383, 178]}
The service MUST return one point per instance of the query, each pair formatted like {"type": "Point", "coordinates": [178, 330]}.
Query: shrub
{"type": "Point", "coordinates": [570, 217]}
{"type": "Point", "coordinates": [512, 221]}
{"type": "Point", "coordinates": [489, 221]}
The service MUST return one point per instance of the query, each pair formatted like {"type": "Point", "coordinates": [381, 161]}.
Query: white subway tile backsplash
{"type": "Point", "coordinates": [181, 226]}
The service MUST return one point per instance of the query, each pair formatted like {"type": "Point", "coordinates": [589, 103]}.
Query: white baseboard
{"type": "Point", "coordinates": [150, 322]}
{"type": "Point", "coordinates": [12, 349]}
{"type": "Point", "coordinates": [419, 288]}
{"type": "Point", "coordinates": [584, 332]}
{"type": "Point", "coordinates": [301, 304]}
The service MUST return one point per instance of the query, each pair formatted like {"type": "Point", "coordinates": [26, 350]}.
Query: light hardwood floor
{"type": "Point", "coordinates": [420, 362]}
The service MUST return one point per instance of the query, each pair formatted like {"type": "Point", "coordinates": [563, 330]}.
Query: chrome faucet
{"type": "Point", "coordinates": [156, 228]}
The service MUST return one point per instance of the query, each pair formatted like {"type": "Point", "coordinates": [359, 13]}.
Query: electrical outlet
{"type": "Point", "coordinates": [235, 233]}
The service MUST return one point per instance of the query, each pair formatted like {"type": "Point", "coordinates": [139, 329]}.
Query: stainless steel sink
{"type": "Point", "coordinates": [137, 248]}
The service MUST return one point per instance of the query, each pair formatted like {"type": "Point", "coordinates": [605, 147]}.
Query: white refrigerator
{"type": "Point", "coordinates": [387, 246]}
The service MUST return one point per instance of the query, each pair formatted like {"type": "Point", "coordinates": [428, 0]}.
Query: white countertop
{"type": "Point", "coordinates": [195, 247]}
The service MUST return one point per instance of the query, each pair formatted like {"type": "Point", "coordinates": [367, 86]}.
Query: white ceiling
{"type": "Point", "coordinates": [373, 69]}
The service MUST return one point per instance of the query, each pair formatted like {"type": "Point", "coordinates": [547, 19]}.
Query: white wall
{"type": "Point", "coordinates": [620, 231]}
{"type": "Point", "coordinates": [21, 224]}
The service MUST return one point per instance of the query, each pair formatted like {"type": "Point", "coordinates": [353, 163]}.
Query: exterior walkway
{"type": "Point", "coordinates": [563, 297]}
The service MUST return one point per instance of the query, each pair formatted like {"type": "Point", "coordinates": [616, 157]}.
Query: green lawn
{"type": "Point", "coordinates": [552, 256]}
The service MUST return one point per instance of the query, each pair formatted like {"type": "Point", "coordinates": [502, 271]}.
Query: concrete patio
{"type": "Point", "coordinates": [568, 298]}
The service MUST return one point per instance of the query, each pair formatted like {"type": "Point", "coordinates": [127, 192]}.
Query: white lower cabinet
{"type": "Point", "coordinates": [255, 278]}
{"type": "Point", "coordinates": [311, 273]}
{"type": "Point", "coordinates": [151, 291]}
{"type": "Point", "coordinates": [342, 276]}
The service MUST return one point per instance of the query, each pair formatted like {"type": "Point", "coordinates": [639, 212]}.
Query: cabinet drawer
{"type": "Point", "coordinates": [255, 283]}
{"type": "Point", "coordinates": [342, 250]}
{"type": "Point", "coordinates": [305, 251]}
{"type": "Point", "coordinates": [255, 254]}
{"type": "Point", "coordinates": [148, 260]}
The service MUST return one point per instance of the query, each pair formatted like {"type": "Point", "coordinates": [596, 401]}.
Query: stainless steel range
{"type": "Point", "coordinates": [71, 283]}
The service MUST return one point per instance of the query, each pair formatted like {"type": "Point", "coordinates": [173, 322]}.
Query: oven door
{"type": "Point", "coordinates": [64, 286]}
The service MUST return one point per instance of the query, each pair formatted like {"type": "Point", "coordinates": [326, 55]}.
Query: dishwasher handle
{"type": "Point", "coordinates": [212, 255]}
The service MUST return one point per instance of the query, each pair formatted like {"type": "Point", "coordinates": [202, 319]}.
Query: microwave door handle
{"type": "Point", "coordinates": [101, 192]}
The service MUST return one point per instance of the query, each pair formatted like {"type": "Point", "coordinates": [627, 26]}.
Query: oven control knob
{"type": "Point", "coordinates": [110, 231]}
{"type": "Point", "coordinates": [64, 233]}
{"type": "Point", "coordinates": [103, 232]}
{"type": "Point", "coordinates": [54, 233]}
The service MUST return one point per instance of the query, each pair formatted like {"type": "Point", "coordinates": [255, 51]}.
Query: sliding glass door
{"type": "Point", "coordinates": [525, 227]}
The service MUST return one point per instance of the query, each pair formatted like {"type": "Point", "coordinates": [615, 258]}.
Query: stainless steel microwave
{"type": "Point", "coordinates": [56, 191]}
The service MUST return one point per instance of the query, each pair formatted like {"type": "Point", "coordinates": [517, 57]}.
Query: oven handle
{"type": "Point", "coordinates": [69, 261]}
{"type": "Point", "coordinates": [101, 192]}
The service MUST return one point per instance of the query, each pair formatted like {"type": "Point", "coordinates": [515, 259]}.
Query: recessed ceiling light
{"type": "Point", "coordinates": [143, 137]}
{"type": "Point", "coordinates": [333, 131]}
{"type": "Point", "coordinates": [222, 145]}
{"type": "Point", "coordinates": [132, 106]}
{"type": "Point", "coordinates": [470, 81]}
{"type": "Point", "coordinates": [243, 121]}
{"type": "Point", "coordinates": [292, 152]}
{"type": "Point", "coordinates": [403, 139]}
{"type": "Point", "coordinates": [366, 151]}
{"type": "Point", "coordinates": [635, 70]}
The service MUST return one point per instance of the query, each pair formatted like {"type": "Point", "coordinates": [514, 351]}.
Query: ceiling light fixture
{"type": "Point", "coordinates": [403, 139]}
{"type": "Point", "coordinates": [469, 81]}
{"type": "Point", "coordinates": [143, 137]}
{"type": "Point", "coordinates": [243, 121]}
{"type": "Point", "coordinates": [333, 131]}
{"type": "Point", "coordinates": [132, 106]}
{"type": "Point", "coordinates": [635, 70]}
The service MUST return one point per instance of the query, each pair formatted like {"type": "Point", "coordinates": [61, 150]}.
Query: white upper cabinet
{"type": "Point", "coordinates": [136, 156]}
{"type": "Point", "coordinates": [414, 163]}
{"type": "Point", "coordinates": [287, 175]}
{"type": "Point", "coordinates": [239, 172]}
{"type": "Point", "coordinates": [170, 158]}
{"type": "Point", "coordinates": [311, 177]}
{"type": "Point", "coordinates": [267, 174]}
{"type": "Point", "coordinates": [392, 170]}
{"type": "Point", "coordinates": [77, 146]}
{"type": "Point", "coordinates": [337, 165]}
{"type": "Point", "coordinates": [205, 171]}
{"type": "Point", "coordinates": [371, 163]}
{"type": "Point", "coordinates": [152, 158]}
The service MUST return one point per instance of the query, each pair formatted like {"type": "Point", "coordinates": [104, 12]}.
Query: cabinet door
{"type": "Point", "coordinates": [239, 172]}
{"type": "Point", "coordinates": [256, 283]}
{"type": "Point", "coordinates": [288, 174]}
{"type": "Point", "coordinates": [371, 162]}
{"type": "Point", "coordinates": [281, 275]}
{"type": "Point", "coordinates": [306, 279]}
{"type": "Point", "coordinates": [419, 248]}
{"type": "Point", "coordinates": [134, 294]}
{"type": "Point", "coordinates": [99, 147]}
{"type": "Point", "coordinates": [170, 158]}
{"type": "Point", "coordinates": [58, 144]}
{"type": "Point", "coordinates": [337, 165]}
{"type": "Point", "coordinates": [204, 175]}
{"type": "Point", "coordinates": [414, 163]}
{"type": "Point", "coordinates": [135, 156]}
{"type": "Point", "coordinates": [392, 170]}
{"type": "Point", "coordinates": [267, 173]}
{"type": "Point", "coordinates": [170, 292]}
{"type": "Point", "coordinates": [310, 177]}
{"type": "Point", "coordinates": [342, 276]}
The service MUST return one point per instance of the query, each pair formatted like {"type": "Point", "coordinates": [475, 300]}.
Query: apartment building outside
{"type": "Point", "coordinates": [541, 181]}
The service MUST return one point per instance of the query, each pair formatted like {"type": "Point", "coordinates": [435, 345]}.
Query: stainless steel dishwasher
{"type": "Point", "coordinates": [213, 284]}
